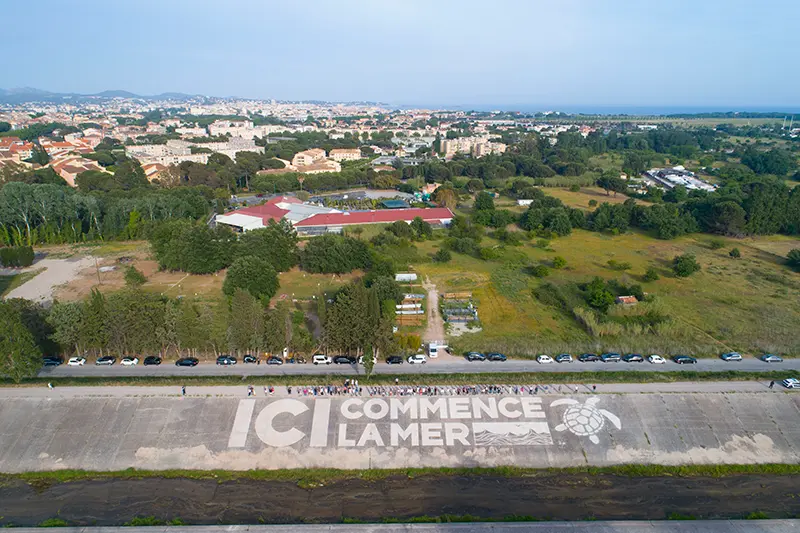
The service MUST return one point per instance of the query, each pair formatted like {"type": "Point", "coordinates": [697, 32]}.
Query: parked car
{"type": "Point", "coordinates": [656, 359]}
{"type": "Point", "coordinates": [343, 360]}
{"type": "Point", "coordinates": [76, 361]}
{"type": "Point", "coordinates": [611, 357]}
{"type": "Point", "coordinates": [684, 359]}
{"type": "Point", "coordinates": [106, 360]}
{"type": "Point", "coordinates": [296, 360]}
{"type": "Point", "coordinates": [187, 361]}
{"type": "Point", "coordinates": [129, 361]}
{"type": "Point", "coordinates": [226, 360]}
{"type": "Point", "coordinates": [731, 356]}
{"type": "Point", "coordinates": [394, 360]}
{"type": "Point", "coordinates": [791, 383]}
{"type": "Point", "coordinates": [494, 356]}
{"type": "Point", "coordinates": [771, 358]}
{"type": "Point", "coordinates": [320, 359]}
{"type": "Point", "coordinates": [588, 358]}
{"type": "Point", "coordinates": [563, 358]}
{"type": "Point", "coordinates": [250, 359]}
{"type": "Point", "coordinates": [417, 359]}
{"type": "Point", "coordinates": [152, 360]}
{"type": "Point", "coordinates": [274, 360]}
{"type": "Point", "coordinates": [51, 360]}
{"type": "Point", "coordinates": [475, 356]}
{"type": "Point", "coordinates": [633, 358]}
{"type": "Point", "coordinates": [543, 359]}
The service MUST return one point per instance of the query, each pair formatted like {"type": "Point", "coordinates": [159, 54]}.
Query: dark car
{"type": "Point", "coordinates": [226, 360]}
{"type": "Point", "coordinates": [107, 360]}
{"type": "Point", "coordinates": [274, 360]}
{"type": "Point", "coordinates": [152, 360]}
{"type": "Point", "coordinates": [563, 358]}
{"type": "Point", "coordinates": [394, 360]}
{"type": "Point", "coordinates": [684, 360]}
{"type": "Point", "coordinates": [51, 360]}
{"type": "Point", "coordinates": [475, 356]}
{"type": "Point", "coordinates": [633, 358]}
{"type": "Point", "coordinates": [588, 358]}
{"type": "Point", "coordinates": [611, 358]}
{"type": "Point", "coordinates": [342, 360]}
{"type": "Point", "coordinates": [250, 359]}
{"type": "Point", "coordinates": [187, 361]}
{"type": "Point", "coordinates": [494, 356]}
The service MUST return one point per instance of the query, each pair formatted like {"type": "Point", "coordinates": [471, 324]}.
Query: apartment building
{"type": "Point", "coordinates": [308, 157]}
{"type": "Point", "coordinates": [345, 154]}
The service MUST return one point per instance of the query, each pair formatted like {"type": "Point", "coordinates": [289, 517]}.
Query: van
{"type": "Point", "coordinates": [434, 348]}
{"type": "Point", "coordinates": [320, 359]}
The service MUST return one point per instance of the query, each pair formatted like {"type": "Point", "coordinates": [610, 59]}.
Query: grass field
{"type": "Point", "coordinates": [750, 305]}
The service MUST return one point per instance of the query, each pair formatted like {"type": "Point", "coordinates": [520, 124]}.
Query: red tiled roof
{"type": "Point", "coordinates": [376, 217]}
{"type": "Point", "coordinates": [267, 211]}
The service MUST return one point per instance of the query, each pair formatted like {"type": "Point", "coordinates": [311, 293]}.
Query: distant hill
{"type": "Point", "coordinates": [23, 95]}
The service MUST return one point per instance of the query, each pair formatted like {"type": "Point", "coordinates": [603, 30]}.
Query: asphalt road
{"type": "Point", "coordinates": [449, 366]}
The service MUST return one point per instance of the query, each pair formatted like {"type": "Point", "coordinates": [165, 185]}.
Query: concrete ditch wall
{"type": "Point", "coordinates": [398, 432]}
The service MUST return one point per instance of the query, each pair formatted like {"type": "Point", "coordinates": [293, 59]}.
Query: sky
{"type": "Point", "coordinates": [490, 53]}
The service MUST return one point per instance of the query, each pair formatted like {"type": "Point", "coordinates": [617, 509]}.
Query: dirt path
{"type": "Point", "coordinates": [435, 329]}
{"type": "Point", "coordinates": [56, 272]}
{"type": "Point", "coordinates": [547, 496]}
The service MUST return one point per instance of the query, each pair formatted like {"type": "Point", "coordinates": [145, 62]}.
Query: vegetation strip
{"type": "Point", "coordinates": [510, 378]}
{"type": "Point", "coordinates": [309, 478]}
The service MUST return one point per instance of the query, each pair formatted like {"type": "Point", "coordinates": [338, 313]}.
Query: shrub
{"type": "Point", "coordinates": [16, 256]}
{"type": "Point", "coordinates": [735, 253]}
{"type": "Point", "coordinates": [544, 244]}
{"type": "Point", "coordinates": [540, 271]}
{"type": "Point", "coordinates": [487, 254]}
{"type": "Point", "coordinates": [442, 255]}
{"type": "Point", "coordinates": [559, 262]}
{"type": "Point", "coordinates": [621, 266]}
{"type": "Point", "coordinates": [685, 265]}
{"type": "Point", "coordinates": [716, 244]}
{"type": "Point", "coordinates": [575, 187]}
{"type": "Point", "coordinates": [592, 203]}
{"type": "Point", "coordinates": [651, 274]}
{"type": "Point", "coordinates": [133, 277]}
{"type": "Point", "coordinates": [793, 259]}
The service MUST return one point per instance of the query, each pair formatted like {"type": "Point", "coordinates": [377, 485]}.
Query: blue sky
{"type": "Point", "coordinates": [450, 52]}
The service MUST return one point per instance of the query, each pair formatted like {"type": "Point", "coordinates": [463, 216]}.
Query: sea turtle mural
{"type": "Point", "coordinates": [584, 419]}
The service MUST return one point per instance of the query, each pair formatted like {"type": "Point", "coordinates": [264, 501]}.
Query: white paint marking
{"type": "Point", "coordinates": [319, 423]}
{"type": "Point", "coordinates": [241, 424]}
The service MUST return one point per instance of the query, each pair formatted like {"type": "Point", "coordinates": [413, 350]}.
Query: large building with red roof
{"type": "Point", "coordinates": [314, 219]}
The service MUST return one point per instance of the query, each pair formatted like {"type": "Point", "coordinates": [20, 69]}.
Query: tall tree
{"type": "Point", "coordinates": [19, 353]}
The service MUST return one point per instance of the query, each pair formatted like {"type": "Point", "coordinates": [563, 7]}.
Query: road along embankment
{"type": "Point", "coordinates": [557, 430]}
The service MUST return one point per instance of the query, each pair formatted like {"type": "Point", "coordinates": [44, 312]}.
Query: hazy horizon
{"type": "Point", "coordinates": [575, 55]}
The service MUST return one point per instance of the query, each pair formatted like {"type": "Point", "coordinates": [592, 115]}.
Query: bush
{"type": "Point", "coordinates": [487, 254]}
{"type": "Point", "coordinates": [592, 203]}
{"type": "Point", "coordinates": [442, 255]}
{"type": "Point", "coordinates": [651, 274]}
{"type": "Point", "coordinates": [735, 253]}
{"type": "Point", "coordinates": [716, 244]}
{"type": "Point", "coordinates": [685, 265]}
{"type": "Point", "coordinates": [793, 259]}
{"type": "Point", "coordinates": [575, 187]}
{"type": "Point", "coordinates": [620, 266]}
{"type": "Point", "coordinates": [559, 262]}
{"type": "Point", "coordinates": [16, 256]}
{"type": "Point", "coordinates": [540, 271]}
{"type": "Point", "coordinates": [133, 277]}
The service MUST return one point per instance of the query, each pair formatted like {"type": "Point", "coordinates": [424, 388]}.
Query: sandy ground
{"type": "Point", "coordinates": [435, 329]}
{"type": "Point", "coordinates": [57, 272]}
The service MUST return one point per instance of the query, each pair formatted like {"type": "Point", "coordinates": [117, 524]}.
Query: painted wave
{"type": "Point", "coordinates": [530, 438]}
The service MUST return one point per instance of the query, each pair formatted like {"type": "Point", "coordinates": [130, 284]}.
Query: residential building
{"type": "Point", "coordinates": [69, 166]}
{"type": "Point", "coordinates": [308, 157]}
{"type": "Point", "coordinates": [345, 154]}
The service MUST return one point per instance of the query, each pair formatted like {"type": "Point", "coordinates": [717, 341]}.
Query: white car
{"type": "Point", "coordinates": [129, 361]}
{"type": "Point", "coordinates": [417, 359]}
{"type": "Point", "coordinates": [791, 383]}
{"type": "Point", "coordinates": [321, 359]}
{"type": "Point", "coordinates": [76, 361]}
{"type": "Point", "coordinates": [544, 359]}
{"type": "Point", "coordinates": [656, 359]}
